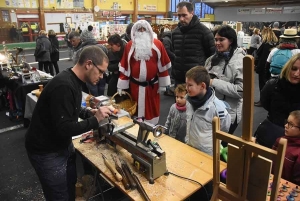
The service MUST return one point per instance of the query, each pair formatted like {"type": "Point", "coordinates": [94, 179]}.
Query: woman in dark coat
{"type": "Point", "coordinates": [42, 52]}
{"type": "Point", "coordinates": [269, 41]}
{"type": "Point", "coordinates": [279, 97]}
{"type": "Point", "coordinates": [55, 50]}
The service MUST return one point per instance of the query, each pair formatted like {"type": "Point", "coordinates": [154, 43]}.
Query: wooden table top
{"type": "Point", "coordinates": [181, 159]}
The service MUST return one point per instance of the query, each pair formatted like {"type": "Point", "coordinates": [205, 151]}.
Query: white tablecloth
{"type": "Point", "coordinates": [29, 105]}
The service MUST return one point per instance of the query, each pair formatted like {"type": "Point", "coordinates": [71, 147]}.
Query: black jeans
{"type": "Point", "coordinates": [57, 173]}
{"type": "Point", "coordinates": [54, 63]}
{"type": "Point", "coordinates": [46, 65]}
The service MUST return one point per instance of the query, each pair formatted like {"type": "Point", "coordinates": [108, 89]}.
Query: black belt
{"type": "Point", "coordinates": [146, 83]}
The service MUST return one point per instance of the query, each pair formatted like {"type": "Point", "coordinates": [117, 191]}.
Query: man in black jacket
{"type": "Point", "coordinates": [48, 140]}
{"type": "Point", "coordinates": [193, 42]}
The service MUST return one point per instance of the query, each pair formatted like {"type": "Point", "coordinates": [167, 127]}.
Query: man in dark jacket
{"type": "Point", "coordinates": [48, 140]}
{"type": "Point", "coordinates": [193, 42]}
{"type": "Point", "coordinates": [166, 39]}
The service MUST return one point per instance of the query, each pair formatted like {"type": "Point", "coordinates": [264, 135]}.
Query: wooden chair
{"type": "Point", "coordinates": [249, 164]}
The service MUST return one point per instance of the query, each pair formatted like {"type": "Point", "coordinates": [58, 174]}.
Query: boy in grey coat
{"type": "Point", "coordinates": [204, 106]}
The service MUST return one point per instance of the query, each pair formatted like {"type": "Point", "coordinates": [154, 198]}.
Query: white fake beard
{"type": "Point", "coordinates": [142, 46]}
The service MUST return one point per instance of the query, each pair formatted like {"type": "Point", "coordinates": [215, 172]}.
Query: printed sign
{"type": "Point", "coordinates": [273, 10]}
{"type": "Point", "coordinates": [291, 10]}
{"type": "Point", "coordinates": [243, 11]}
{"type": "Point", "coordinates": [258, 11]}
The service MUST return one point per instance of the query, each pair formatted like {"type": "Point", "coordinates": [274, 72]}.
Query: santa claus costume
{"type": "Point", "coordinates": [144, 68]}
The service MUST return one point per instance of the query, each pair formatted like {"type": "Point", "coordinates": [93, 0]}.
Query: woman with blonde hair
{"type": "Point", "coordinates": [269, 41]}
{"type": "Point", "coordinates": [42, 51]}
{"type": "Point", "coordinates": [55, 51]}
{"type": "Point", "coordinates": [279, 97]}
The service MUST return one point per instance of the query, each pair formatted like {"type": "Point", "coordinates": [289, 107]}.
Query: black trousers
{"type": "Point", "coordinates": [57, 173]}
{"type": "Point", "coordinates": [54, 63]}
{"type": "Point", "coordinates": [46, 65]}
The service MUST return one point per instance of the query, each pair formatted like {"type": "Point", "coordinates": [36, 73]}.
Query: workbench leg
{"type": "Point", "coordinates": [96, 181]}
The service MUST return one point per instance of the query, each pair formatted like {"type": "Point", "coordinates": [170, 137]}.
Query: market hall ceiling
{"type": "Point", "coordinates": [241, 3]}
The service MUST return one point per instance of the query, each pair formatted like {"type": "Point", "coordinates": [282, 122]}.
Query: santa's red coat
{"type": "Point", "coordinates": [147, 97]}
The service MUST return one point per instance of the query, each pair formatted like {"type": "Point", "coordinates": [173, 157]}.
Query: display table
{"type": "Point", "coordinates": [20, 90]}
{"type": "Point", "coordinates": [181, 159]}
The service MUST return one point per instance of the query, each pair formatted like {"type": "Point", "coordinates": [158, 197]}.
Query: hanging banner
{"type": "Point", "coordinates": [273, 10]}
{"type": "Point", "coordinates": [243, 11]}
{"type": "Point", "coordinates": [291, 10]}
{"type": "Point", "coordinates": [258, 11]}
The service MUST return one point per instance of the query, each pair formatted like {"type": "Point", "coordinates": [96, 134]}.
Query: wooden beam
{"type": "Point", "coordinates": [135, 11]}
{"type": "Point", "coordinates": [41, 15]}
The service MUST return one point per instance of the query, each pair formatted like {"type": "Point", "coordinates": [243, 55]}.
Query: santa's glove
{"type": "Point", "coordinates": [120, 92]}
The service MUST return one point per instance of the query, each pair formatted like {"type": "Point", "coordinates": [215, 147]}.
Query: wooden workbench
{"type": "Point", "coordinates": [181, 159]}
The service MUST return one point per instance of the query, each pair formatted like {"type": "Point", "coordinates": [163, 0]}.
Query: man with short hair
{"type": "Point", "coordinates": [193, 42]}
{"type": "Point", "coordinates": [143, 69]}
{"type": "Point", "coordinates": [48, 140]}
{"type": "Point", "coordinates": [74, 38]}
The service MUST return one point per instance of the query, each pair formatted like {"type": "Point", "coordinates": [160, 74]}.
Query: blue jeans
{"type": "Point", "coordinates": [57, 173]}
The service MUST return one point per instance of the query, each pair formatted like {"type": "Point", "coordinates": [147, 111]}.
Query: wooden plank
{"type": "Point", "coordinates": [235, 163]}
{"type": "Point", "coordinates": [248, 97]}
{"type": "Point", "coordinates": [278, 166]}
{"type": "Point", "coordinates": [260, 169]}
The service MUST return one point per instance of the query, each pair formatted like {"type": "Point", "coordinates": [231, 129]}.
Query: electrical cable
{"type": "Point", "coordinates": [191, 181]}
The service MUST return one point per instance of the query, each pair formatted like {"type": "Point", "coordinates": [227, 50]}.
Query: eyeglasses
{"type": "Point", "coordinates": [181, 15]}
{"type": "Point", "coordinates": [100, 71]}
{"type": "Point", "coordinates": [291, 125]}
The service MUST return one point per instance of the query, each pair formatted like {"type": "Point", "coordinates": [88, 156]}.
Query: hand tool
{"type": "Point", "coordinates": [140, 188]}
{"type": "Point", "coordinates": [124, 178]}
{"type": "Point", "coordinates": [86, 138]}
{"type": "Point", "coordinates": [112, 169]}
{"type": "Point", "coordinates": [127, 172]}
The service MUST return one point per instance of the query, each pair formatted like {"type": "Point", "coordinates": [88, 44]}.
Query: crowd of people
{"type": "Point", "coordinates": [207, 69]}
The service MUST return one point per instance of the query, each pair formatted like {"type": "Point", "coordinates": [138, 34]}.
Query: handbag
{"type": "Point", "coordinates": [54, 48]}
{"type": "Point", "coordinates": [267, 133]}
{"type": "Point", "coordinates": [40, 51]}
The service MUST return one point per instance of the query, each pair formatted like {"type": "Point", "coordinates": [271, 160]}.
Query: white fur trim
{"type": "Point", "coordinates": [153, 121]}
{"type": "Point", "coordinates": [164, 81]}
{"type": "Point", "coordinates": [141, 101]}
{"type": "Point", "coordinates": [143, 71]}
{"type": "Point", "coordinates": [142, 90]}
{"type": "Point", "coordinates": [159, 65]}
{"type": "Point", "coordinates": [123, 84]}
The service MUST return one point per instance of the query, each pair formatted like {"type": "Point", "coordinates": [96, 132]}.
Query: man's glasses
{"type": "Point", "coordinates": [181, 15]}
{"type": "Point", "coordinates": [291, 125]}
{"type": "Point", "coordinates": [100, 71]}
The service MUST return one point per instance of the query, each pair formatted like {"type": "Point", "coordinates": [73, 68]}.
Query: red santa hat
{"type": "Point", "coordinates": [139, 24]}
